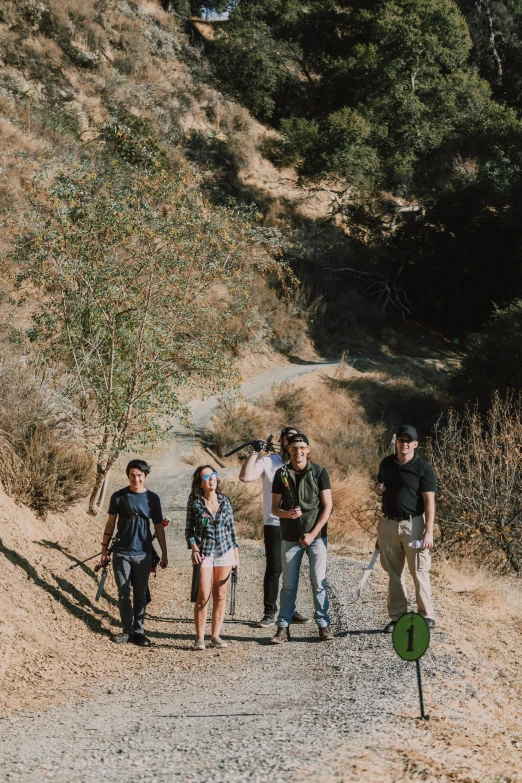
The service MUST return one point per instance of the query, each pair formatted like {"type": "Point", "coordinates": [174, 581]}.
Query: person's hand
{"type": "Point", "coordinates": [196, 556]}
{"type": "Point", "coordinates": [104, 561]}
{"type": "Point", "coordinates": [307, 539]}
{"type": "Point", "coordinates": [380, 488]}
{"type": "Point", "coordinates": [427, 541]}
{"type": "Point", "coordinates": [294, 513]}
{"type": "Point", "coordinates": [164, 561]}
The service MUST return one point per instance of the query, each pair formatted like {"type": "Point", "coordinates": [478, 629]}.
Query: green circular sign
{"type": "Point", "coordinates": [411, 636]}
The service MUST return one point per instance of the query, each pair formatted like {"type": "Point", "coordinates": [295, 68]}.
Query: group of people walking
{"type": "Point", "coordinates": [297, 503]}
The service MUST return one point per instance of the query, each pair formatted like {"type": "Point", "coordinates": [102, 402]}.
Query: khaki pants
{"type": "Point", "coordinates": [394, 538]}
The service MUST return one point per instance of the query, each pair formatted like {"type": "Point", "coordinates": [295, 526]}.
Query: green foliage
{"type": "Point", "coordinates": [253, 65]}
{"type": "Point", "coordinates": [382, 99]}
{"type": "Point", "coordinates": [134, 140]}
{"type": "Point", "coordinates": [137, 279]}
{"type": "Point", "coordinates": [494, 359]}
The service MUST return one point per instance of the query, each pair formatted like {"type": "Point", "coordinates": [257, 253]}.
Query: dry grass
{"type": "Point", "coordinates": [44, 462]}
{"type": "Point", "coordinates": [247, 503]}
{"type": "Point", "coordinates": [341, 440]}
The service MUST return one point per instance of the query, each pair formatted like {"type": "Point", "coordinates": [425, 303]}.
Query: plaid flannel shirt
{"type": "Point", "coordinates": [213, 534]}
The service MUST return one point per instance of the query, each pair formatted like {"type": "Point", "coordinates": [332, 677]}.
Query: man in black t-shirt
{"type": "Point", "coordinates": [407, 485]}
{"type": "Point", "coordinates": [134, 507]}
{"type": "Point", "coordinates": [302, 499]}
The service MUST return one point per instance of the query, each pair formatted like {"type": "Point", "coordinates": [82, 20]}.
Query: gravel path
{"type": "Point", "coordinates": [329, 712]}
{"type": "Point", "coordinates": [303, 711]}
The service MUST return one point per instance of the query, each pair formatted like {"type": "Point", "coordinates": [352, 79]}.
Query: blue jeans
{"type": "Point", "coordinates": [292, 556]}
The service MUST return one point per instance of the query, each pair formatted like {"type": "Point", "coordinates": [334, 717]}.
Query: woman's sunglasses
{"type": "Point", "coordinates": [208, 476]}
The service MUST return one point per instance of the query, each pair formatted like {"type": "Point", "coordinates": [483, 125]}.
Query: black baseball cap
{"type": "Point", "coordinates": [287, 430]}
{"type": "Point", "coordinates": [407, 429]}
{"type": "Point", "coordinates": [299, 438]}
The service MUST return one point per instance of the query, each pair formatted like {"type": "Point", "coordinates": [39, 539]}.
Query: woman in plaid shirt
{"type": "Point", "coordinates": [211, 535]}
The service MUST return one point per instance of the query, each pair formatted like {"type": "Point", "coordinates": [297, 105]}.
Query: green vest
{"type": "Point", "coordinates": [309, 500]}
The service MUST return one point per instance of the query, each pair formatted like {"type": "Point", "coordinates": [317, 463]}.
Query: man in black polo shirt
{"type": "Point", "coordinates": [407, 485]}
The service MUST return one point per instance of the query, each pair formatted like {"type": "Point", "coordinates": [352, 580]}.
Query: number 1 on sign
{"type": "Point", "coordinates": [411, 634]}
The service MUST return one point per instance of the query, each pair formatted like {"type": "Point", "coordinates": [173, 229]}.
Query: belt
{"type": "Point", "coordinates": [399, 519]}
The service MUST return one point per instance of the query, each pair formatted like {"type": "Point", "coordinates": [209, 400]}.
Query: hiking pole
{"type": "Point", "coordinates": [367, 571]}
{"type": "Point", "coordinates": [105, 572]}
{"type": "Point", "coordinates": [87, 559]}
{"type": "Point", "coordinates": [233, 591]}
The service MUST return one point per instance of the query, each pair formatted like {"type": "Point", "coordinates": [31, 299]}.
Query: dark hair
{"type": "Point", "coordinates": [139, 464]}
{"type": "Point", "coordinates": [195, 487]}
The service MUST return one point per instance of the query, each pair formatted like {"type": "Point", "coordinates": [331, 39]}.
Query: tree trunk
{"type": "Point", "coordinates": [93, 500]}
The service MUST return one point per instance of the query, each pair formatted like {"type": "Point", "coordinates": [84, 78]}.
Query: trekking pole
{"type": "Point", "coordinates": [87, 559]}
{"type": "Point", "coordinates": [233, 591]}
{"type": "Point", "coordinates": [105, 572]}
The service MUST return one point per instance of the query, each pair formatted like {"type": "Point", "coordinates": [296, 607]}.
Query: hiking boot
{"type": "Point", "coordinates": [217, 641]}
{"type": "Point", "coordinates": [282, 635]}
{"type": "Point", "coordinates": [300, 619]}
{"type": "Point", "coordinates": [121, 638]}
{"type": "Point", "coordinates": [390, 627]}
{"type": "Point", "coordinates": [430, 623]}
{"type": "Point", "coordinates": [266, 621]}
{"type": "Point", "coordinates": [140, 640]}
{"type": "Point", "coordinates": [199, 644]}
{"type": "Point", "coordinates": [325, 634]}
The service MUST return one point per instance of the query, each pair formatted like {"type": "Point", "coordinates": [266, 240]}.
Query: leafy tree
{"type": "Point", "coordinates": [136, 279]}
{"type": "Point", "coordinates": [494, 359]}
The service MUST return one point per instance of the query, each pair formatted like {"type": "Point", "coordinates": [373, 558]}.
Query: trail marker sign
{"type": "Point", "coordinates": [411, 639]}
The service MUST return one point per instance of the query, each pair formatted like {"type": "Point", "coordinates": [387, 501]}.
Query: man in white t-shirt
{"type": "Point", "coordinates": [265, 468]}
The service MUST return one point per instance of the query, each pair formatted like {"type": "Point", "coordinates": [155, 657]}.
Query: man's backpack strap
{"type": "Point", "coordinates": [316, 472]}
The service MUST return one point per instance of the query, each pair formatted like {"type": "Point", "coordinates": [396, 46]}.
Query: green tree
{"type": "Point", "coordinates": [136, 279]}
{"type": "Point", "coordinates": [494, 359]}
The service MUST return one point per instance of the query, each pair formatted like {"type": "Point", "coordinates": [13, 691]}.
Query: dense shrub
{"type": "Point", "coordinates": [44, 463]}
{"type": "Point", "coordinates": [478, 462]}
{"type": "Point", "coordinates": [494, 359]}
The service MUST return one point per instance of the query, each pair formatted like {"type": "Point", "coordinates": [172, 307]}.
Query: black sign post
{"type": "Point", "coordinates": [411, 639]}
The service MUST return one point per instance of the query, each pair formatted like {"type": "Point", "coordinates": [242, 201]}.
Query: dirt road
{"type": "Point", "coordinates": [332, 712]}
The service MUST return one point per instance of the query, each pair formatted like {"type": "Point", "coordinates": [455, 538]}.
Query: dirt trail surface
{"type": "Point", "coordinates": [346, 710]}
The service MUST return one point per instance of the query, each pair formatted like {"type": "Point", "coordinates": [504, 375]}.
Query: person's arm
{"type": "Point", "coordinates": [190, 533]}
{"type": "Point", "coordinates": [294, 513]}
{"type": "Point", "coordinates": [160, 535]}
{"type": "Point", "coordinates": [107, 537]}
{"type": "Point", "coordinates": [324, 516]}
{"type": "Point", "coordinates": [252, 468]}
{"type": "Point", "coordinates": [429, 514]}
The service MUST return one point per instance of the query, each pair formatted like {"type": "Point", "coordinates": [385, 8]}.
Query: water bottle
{"type": "Point", "coordinates": [416, 544]}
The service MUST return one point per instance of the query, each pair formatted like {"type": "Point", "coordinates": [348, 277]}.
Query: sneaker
{"type": "Point", "coordinates": [266, 621]}
{"type": "Point", "coordinates": [300, 619]}
{"type": "Point", "coordinates": [141, 640]}
{"type": "Point", "coordinates": [325, 634]}
{"type": "Point", "coordinates": [390, 627]}
{"type": "Point", "coordinates": [199, 644]}
{"type": "Point", "coordinates": [430, 622]}
{"type": "Point", "coordinates": [282, 636]}
{"type": "Point", "coordinates": [121, 638]}
{"type": "Point", "coordinates": [217, 641]}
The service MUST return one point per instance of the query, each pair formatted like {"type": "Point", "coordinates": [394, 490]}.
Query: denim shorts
{"type": "Point", "coordinates": [228, 559]}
